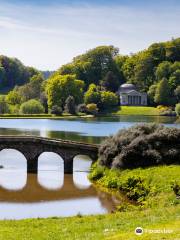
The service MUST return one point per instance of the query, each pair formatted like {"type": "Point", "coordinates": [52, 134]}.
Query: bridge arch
{"type": "Point", "coordinates": [81, 167]}
{"type": "Point", "coordinates": [14, 172]}
{"type": "Point", "coordinates": [49, 162]}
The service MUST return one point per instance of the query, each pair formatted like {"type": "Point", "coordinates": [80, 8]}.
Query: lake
{"type": "Point", "coordinates": [51, 193]}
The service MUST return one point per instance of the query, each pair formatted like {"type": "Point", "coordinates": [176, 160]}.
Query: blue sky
{"type": "Point", "coordinates": [47, 34]}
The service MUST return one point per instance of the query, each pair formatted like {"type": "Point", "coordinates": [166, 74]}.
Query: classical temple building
{"type": "Point", "coordinates": [130, 96]}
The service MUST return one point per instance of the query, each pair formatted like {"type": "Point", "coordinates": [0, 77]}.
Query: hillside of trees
{"type": "Point", "coordinates": [13, 72]}
{"type": "Point", "coordinates": [91, 81]}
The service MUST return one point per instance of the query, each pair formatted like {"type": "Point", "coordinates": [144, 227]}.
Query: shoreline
{"type": "Point", "coordinates": [118, 112]}
{"type": "Point", "coordinates": [79, 116]}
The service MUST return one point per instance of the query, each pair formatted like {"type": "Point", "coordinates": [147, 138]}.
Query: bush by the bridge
{"type": "Point", "coordinates": [141, 146]}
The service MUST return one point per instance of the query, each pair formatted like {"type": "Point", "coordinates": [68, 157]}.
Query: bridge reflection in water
{"type": "Point", "coordinates": [50, 192]}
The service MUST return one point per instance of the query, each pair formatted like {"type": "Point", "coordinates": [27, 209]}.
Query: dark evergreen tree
{"type": "Point", "coordinates": [70, 106]}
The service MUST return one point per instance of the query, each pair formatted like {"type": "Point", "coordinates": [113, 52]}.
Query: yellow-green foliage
{"type": "Point", "coordinates": [13, 97]}
{"type": "Point", "coordinates": [92, 108]}
{"type": "Point", "coordinates": [178, 109]}
{"type": "Point", "coordinates": [92, 95]}
{"type": "Point", "coordinates": [108, 99]}
{"type": "Point", "coordinates": [150, 186]}
{"type": "Point", "coordinates": [59, 88]}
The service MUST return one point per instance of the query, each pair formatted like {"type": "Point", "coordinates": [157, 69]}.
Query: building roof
{"type": "Point", "coordinates": [127, 87]}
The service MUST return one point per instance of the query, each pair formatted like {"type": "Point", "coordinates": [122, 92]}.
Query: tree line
{"type": "Point", "coordinates": [91, 81]}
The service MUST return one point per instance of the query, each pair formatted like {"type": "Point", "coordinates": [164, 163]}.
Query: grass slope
{"type": "Point", "coordinates": [136, 110]}
{"type": "Point", "coordinates": [161, 210]}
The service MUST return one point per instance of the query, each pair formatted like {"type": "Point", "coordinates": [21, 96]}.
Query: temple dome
{"type": "Point", "coordinates": [127, 87]}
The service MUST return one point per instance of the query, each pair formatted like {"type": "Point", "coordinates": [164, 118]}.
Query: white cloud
{"type": "Point", "coordinates": [46, 37]}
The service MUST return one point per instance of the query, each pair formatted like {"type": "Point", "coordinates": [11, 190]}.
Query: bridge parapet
{"type": "Point", "coordinates": [32, 147]}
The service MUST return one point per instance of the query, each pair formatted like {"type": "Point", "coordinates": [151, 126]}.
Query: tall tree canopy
{"type": "Point", "coordinates": [93, 66]}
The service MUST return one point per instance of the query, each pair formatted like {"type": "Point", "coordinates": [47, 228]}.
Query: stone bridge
{"type": "Point", "coordinates": [32, 147]}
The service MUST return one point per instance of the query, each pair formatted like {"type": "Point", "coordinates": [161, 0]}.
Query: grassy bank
{"type": "Point", "coordinates": [161, 210]}
{"type": "Point", "coordinates": [111, 226]}
{"type": "Point", "coordinates": [136, 110]}
{"type": "Point", "coordinates": [151, 190]}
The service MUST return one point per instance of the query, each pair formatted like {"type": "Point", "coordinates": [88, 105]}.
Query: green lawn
{"type": "Point", "coordinates": [111, 226]}
{"type": "Point", "coordinates": [162, 210]}
{"type": "Point", "coordinates": [136, 110]}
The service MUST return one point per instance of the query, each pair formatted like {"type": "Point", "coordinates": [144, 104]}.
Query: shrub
{"type": "Point", "coordinates": [56, 110]}
{"type": "Point", "coordinates": [92, 108]}
{"type": "Point", "coordinates": [31, 107]}
{"type": "Point", "coordinates": [92, 95]}
{"type": "Point", "coordinates": [162, 108]}
{"type": "Point", "coordinates": [96, 173]}
{"type": "Point", "coordinates": [177, 109]}
{"type": "Point", "coordinates": [168, 112]}
{"type": "Point", "coordinates": [141, 146]}
{"type": "Point", "coordinates": [176, 188]}
{"type": "Point", "coordinates": [108, 100]}
{"type": "Point", "coordinates": [82, 108]}
{"type": "Point", "coordinates": [135, 188]}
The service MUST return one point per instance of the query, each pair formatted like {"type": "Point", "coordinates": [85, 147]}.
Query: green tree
{"type": "Point", "coordinates": [163, 70]}
{"type": "Point", "coordinates": [93, 66]}
{"type": "Point", "coordinates": [32, 106]}
{"type": "Point", "coordinates": [163, 93]}
{"type": "Point", "coordinates": [59, 87]}
{"type": "Point", "coordinates": [144, 71]}
{"type": "Point", "coordinates": [70, 106]}
{"type": "Point", "coordinates": [174, 80]}
{"type": "Point", "coordinates": [158, 52]}
{"type": "Point", "coordinates": [110, 82]}
{"type": "Point", "coordinates": [177, 93]}
{"type": "Point", "coordinates": [108, 100]}
{"type": "Point", "coordinates": [13, 72]}
{"type": "Point", "coordinates": [151, 93]}
{"type": "Point", "coordinates": [4, 107]}
{"type": "Point", "coordinates": [93, 95]}
{"type": "Point", "coordinates": [44, 101]}
{"type": "Point", "coordinates": [32, 89]}
{"type": "Point", "coordinates": [13, 97]}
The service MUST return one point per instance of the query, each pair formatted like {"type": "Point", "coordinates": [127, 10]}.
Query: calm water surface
{"type": "Point", "coordinates": [50, 192]}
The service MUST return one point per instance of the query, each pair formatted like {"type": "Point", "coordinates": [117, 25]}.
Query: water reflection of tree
{"type": "Point", "coordinates": [110, 201]}
{"type": "Point", "coordinates": [74, 136]}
